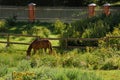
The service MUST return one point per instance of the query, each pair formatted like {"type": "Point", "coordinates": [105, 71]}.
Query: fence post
{"type": "Point", "coordinates": [91, 9]}
{"type": "Point", "coordinates": [8, 40]}
{"type": "Point", "coordinates": [31, 11]}
{"type": "Point", "coordinates": [66, 43]}
{"type": "Point", "coordinates": [106, 9]}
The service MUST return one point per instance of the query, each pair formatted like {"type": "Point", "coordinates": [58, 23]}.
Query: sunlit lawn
{"type": "Point", "coordinates": [108, 74]}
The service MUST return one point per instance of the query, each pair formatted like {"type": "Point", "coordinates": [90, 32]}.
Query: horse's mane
{"type": "Point", "coordinates": [30, 47]}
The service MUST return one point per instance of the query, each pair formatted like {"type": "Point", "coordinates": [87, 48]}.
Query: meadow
{"type": "Point", "coordinates": [71, 65]}
{"type": "Point", "coordinates": [101, 63]}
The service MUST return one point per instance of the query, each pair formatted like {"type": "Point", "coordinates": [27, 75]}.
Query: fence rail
{"type": "Point", "coordinates": [8, 42]}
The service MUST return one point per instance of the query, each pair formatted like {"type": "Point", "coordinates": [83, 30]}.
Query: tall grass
{"type": "Point", "coordinates": [103, 58]}
{"type": "Point", "coordinates": [47, 73]}
{"type": "Point", "coordinates": [66, 66]}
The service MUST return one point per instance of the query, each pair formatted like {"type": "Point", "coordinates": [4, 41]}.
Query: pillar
{"type": "Point", "coordinates": [106, 9]}
{"type": "Point", "coordinates": [91, 9]}
{"type": "Point", "coordinates": [31, 12]}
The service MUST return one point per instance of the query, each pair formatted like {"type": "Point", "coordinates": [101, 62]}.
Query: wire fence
{"type": "Point", "coordinates": [50, 14]}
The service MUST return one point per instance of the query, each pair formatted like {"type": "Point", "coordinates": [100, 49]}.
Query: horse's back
{"type": "Point", "coordinates": [46, 43]}
{"type": "Point", "coordinates": [43, 43]}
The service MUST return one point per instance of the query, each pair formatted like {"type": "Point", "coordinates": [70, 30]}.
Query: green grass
{"type": "Point", "coordinates": [64, 64]}
{"type": "Point", "coordinates": [109, 74]}
{"type": "Point", "coordinates": [51, 66]}
{"type": "Point", "coordinates": [46, 73]}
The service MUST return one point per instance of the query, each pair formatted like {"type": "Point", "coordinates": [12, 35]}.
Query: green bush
{"type": "Point", "coordinates": [40, 31]}
{"type": "Point", "coordinates": [3, 26]}
{"type": "Point", "coordinates": [98, 29]}
{"type": "Point", "coordinates": [95, 27]}
{"type": "Point", "coordinates": [114, 42]}
{"type": "Point", "coordinates": [59, 26]}
{"type": "Point", "coordinates": [11, 21]}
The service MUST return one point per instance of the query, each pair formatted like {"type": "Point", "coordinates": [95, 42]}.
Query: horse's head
{"type": "Point", "coordinates": [28, 52]}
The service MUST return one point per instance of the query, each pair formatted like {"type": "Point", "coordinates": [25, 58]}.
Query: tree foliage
{"type": "Point", "coordinates": [95, 27]}
{"type": "Point", "coordinates": [55, 2]}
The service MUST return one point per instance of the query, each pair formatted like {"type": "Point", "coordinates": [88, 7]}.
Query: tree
{"type": "Point", "coordinates": [72, 3]}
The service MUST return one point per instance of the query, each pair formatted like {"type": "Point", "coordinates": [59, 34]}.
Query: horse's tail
{"type": "Point", "coordinates": [29, 50]}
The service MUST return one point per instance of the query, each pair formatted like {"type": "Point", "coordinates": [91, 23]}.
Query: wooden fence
{"type": "Point", "coordinates": [8, 42]}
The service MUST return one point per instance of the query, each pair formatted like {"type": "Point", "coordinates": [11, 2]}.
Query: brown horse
{"type": "Point", "coordinates": [39, 44]}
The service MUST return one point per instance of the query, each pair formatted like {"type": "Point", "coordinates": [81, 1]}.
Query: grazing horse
{"type": "Point", "coordinates": [39, 44]}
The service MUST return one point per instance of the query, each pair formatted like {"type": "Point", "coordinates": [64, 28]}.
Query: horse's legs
{"type": "Point", "coordinates": [50, 51]}
{"type": "Point", "coordinates": [45, 49]}
{"type": "Point", "coordinates": [28, 55]}
{"type": "Point", "coordinates": [34, 51]}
